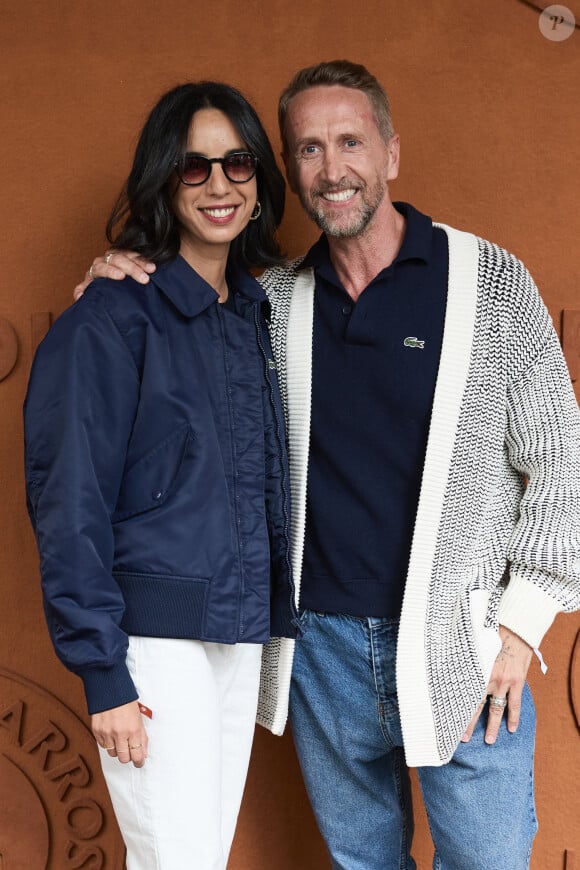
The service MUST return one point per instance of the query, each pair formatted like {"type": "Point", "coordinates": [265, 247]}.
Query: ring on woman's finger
{"type": "Point", "coordinates": [108, 257]}
{"type": "Point", "coordinates": [138, 746]}
{"type": "Point", "coordinates": [500, 703]}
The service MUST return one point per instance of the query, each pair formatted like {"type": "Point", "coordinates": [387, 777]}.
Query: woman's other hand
{"type": "Point", "coordinates": [121, 733]}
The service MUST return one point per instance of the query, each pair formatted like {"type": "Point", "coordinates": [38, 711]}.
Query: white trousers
{"type": "Point", "coordinates": [179, 810]}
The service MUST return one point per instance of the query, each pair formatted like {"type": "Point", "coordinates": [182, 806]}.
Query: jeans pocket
{"type": "Point", "coordinates": [304, 621]}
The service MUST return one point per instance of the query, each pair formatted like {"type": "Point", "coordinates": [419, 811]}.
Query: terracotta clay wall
{"type": "Point", "coordinates": [487, 108]}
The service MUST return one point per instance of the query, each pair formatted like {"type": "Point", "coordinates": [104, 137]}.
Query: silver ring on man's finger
{"type": "Point", "coordinates": [494, 701]}
{"type": "Point", "coordinates": [91, 276]}
{"type": "Point", "coordinates": [108, 257]}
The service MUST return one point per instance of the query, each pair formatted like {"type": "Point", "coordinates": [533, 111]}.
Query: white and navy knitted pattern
{"type": "Point", "coordinates": [487, 548]}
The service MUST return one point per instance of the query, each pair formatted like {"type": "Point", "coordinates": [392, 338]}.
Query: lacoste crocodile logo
{"type": "Point", "coordinates": [411, 341]}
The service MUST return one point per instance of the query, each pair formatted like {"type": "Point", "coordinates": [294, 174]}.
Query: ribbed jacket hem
{"type": "Point", "coordinates": [157, 605]}
{"type": "Point", "coordinates": [163, 606]}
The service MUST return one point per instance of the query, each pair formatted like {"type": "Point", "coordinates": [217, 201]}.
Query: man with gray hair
{"type": "Point", "coordinates": [434, 443]}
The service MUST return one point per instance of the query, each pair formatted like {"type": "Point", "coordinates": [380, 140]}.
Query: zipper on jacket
{"type": "Point", "coordinates": [285, 492]}
{"type": "Point", "coordinates": [241, 626]}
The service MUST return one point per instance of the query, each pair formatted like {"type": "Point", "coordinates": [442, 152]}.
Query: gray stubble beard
{"type": "Point", "coordinates": [359, 222]}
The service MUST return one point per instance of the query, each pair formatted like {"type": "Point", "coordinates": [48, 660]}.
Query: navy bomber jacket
{"type": "Point", "coordinates": [156, 473]}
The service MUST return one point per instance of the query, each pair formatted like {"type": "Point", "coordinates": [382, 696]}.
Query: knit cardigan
{"type": "Point", "coordinates": [497, 532]}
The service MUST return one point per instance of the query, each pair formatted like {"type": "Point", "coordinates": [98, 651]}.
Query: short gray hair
{"type": "Point", "coordinates": [347, 75]}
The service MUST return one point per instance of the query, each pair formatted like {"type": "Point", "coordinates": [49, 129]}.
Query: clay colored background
{"type": "Point", "coordinates": [487, 109]}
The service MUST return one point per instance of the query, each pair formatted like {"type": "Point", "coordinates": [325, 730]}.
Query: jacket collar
{"type": "Point", "coordinates": [191, 294]}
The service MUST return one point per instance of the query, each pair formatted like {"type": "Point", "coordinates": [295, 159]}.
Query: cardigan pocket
{"type": "Point", "coordinates": [487, 639]}
{"type": "Point", "coordinates": [148, 482]}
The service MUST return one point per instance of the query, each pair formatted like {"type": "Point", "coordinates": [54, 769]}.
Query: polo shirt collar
{"type": "Point", "coordinates": [191, 294]}
{"type": "Point", "coordinates": [416, 242]}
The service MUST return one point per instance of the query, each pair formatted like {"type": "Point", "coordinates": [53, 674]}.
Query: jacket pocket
{"type": "Point", "coordinates": [148, 482]}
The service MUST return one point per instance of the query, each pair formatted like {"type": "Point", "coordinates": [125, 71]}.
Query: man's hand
{"type": "Point", "coordinates": [121, 732]}
{"type": "Point", "coordinates": [506, 682]}
{"type": "Point", "coordinates": [116, 265]}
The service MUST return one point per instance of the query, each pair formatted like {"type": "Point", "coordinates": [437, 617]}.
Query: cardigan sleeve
{"type": "Point", "coordinates": [543, 443]}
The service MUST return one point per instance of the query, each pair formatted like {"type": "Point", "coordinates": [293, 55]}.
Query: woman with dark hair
{"type": "Point", "coordinates": [157, 480]}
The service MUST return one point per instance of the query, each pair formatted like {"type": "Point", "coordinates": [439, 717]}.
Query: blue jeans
{"type": "Point", "coordinates": [347, 732]}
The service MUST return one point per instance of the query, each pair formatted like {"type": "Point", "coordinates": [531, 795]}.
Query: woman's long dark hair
{"type": "Point", "coordinates": [145, 205]}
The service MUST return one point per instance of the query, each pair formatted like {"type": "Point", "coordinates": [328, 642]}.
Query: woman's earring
{"type": "Point", "coordinates": [257, 211]}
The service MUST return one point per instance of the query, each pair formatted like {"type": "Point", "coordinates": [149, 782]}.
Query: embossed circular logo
{"type": "Point", "coordinates": [8, 348]}
{"type": "Point", "coordinates": [557, 22]}
{"type": "Point", "coordinates": [56, 812]}
{"type": "Point", "coordinates": [575, 678]}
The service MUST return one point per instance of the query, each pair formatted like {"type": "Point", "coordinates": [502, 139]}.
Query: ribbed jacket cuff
{"type": "Point", "coordinates": [527, 610]}
{"type": "Point", "coordinates": [106, 688]}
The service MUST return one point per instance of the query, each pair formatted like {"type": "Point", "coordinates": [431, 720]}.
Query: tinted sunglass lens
{"type": "Point", "coordinates": [195, 169]}
{"type": "Point", "coordinates": [239, 167]}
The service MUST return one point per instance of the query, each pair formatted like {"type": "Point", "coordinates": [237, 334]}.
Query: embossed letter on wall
{"type": "Point", "coordinates": [40, 322]}
{"type": "Point", "coordinates": [55, 808]}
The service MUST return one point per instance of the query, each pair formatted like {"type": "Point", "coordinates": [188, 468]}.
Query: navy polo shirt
{"type": "Point", "coordinates": [375, 366]}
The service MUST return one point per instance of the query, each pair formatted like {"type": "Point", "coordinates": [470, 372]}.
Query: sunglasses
{"type": "Point", "coordinates": [193, 169]}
